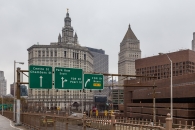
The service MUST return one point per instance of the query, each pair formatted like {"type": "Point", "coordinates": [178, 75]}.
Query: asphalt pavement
{"type": "Point", "coordinates": [6, 124]}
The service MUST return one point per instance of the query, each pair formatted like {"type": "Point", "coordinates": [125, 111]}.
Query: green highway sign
{"type": "Point", "coordinates": [94, 81]}
{"type": "Point", "coordinates": [68, 78]}
{"type": "Point", "coordinates": [40, 77]}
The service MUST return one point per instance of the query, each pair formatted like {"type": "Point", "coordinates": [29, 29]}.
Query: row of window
{"type": "Point", "coordinates": [54, 54]}
{"type": "Point", "coordinates": [175, 65]}
{"type": "Point", "coordinates": [165, 74]}
{"type": "Point", "coordinates": [63, 61]}
{"type": "Point", "coordinates": [47, 54]}
{"type": "Point", "coordinates": [166, 70]}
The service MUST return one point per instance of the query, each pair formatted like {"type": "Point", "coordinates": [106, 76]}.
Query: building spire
{"type": "Point", "coordinates": [129, 34]}
{"type": "Point", "coordinates": [67, 35]}
{"type": "Point", "coordinates": [67, 14]}
{"type": "Point", "coordinates": [75, 38]}
{"type": "Point", "coordinates": [67, 20]}
{"type": "Point", "coordinates": [59, 38]}
{"type": "Point", "coordinates": [75, 35]}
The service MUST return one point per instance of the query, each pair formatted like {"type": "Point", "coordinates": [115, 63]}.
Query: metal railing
{"type": "Point", "coordinates": [40, 121]}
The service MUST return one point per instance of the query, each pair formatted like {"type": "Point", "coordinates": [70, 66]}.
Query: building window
{"type": "Point", "coordinates": [43, 55]}
{"type": "Point", "coordinates": [39, 53]}
{"type": "Point", "coordinates": [51, 54]}
{"type": "Point", "coordinates": [77, 56]}
{"type": "Point", "coordinates": [64, 53]}
{"type": "Point", "coordinates": [55, 53]}
{"type": "Point", "coordinates": [84, 56]}
{"type": "Point", "coordinates": [47, 53]}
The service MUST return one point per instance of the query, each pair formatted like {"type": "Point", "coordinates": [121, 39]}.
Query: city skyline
{"type": "Point", "coordinates": [161, 26]}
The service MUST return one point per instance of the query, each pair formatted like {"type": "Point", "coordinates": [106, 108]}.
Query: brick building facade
{"type": "Point", "coordinates": [138, 101]}
{"type": "Point", "coordinates": [159, 66]}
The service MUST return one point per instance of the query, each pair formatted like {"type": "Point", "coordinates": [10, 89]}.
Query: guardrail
{"type": "Point", "coordinates": [40, 121]}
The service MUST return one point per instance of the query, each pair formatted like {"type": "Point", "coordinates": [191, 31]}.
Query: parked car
{"type": "Point", "coordinates": [79, 117]}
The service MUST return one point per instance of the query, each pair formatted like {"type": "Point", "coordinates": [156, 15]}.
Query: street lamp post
{"type": "Point", "coordinates": [171, 88]}
{"type": "Point", "coordinates": [112, 94]}
{"type": "Point", "coordinates": [14, 106]}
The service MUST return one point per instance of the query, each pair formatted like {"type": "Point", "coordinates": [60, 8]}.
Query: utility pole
{"type": "Point", "coordinates": [154, 104]}
{"type": "Point", "coordinates": [154, 109]}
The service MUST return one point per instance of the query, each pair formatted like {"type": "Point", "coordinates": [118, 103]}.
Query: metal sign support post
{"type": "Point", "coordinates": [18, 98]}
{"type": "Point", "coordinates": [69, 102]}
{"type": "Point", "coordinates": [82, 93]}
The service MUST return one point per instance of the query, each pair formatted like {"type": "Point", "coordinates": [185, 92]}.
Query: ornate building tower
{"type": "Point", "coordinates": [129, 52]}
{"type": "Point", "coordinates": [66, 52]}
{"type": "Point", "coordinates": [67, 31]}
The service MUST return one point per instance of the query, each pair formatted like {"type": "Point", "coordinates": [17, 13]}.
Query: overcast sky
{"type": "Point", "coordinates": [160, 25]}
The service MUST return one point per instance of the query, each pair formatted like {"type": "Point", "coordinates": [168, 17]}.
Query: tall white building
{"type": "Point", "coordinates": [3, 84]}
{"type": "Point", "coordinates": [65, 53]}
{"type": "Point", "coordinates": [129, 52]}
{"type": "Point", "coordinates": [193, 42]}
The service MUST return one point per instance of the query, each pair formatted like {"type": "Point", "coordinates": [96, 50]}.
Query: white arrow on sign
{"type": "Point", "coordinates": [40, 81]}
{"type": "Point", "coordinates": [88, 80]}
{"type": "Point", "coordinates": [63, 80]}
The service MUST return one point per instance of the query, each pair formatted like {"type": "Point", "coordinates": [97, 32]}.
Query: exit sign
{"type": "Point", "coordinates": [94, 81]}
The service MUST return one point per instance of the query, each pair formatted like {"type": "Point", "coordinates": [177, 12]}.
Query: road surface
{"type": "Point", "coordinates": [6, 124]}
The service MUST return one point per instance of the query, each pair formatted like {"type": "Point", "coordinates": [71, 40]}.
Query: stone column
{"type": "Point", "coordinates": [168, 122]}
{"type": "Point", "coordinates": [84, 121]}
{"type": "Point", "coordinates": [113, 122]}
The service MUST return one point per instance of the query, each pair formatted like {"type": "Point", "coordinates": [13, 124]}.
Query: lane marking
{"type": "Point", "coordinates": [10, 123]}
{"type": "Point", "coordinates": [14, 126]}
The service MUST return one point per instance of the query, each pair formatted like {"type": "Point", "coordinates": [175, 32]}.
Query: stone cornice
{"type": "Point", "coordinates": [62, 45]}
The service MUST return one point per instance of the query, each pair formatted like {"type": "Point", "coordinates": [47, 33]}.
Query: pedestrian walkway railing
{"type": "Point", "coordinates": [38, 121]}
